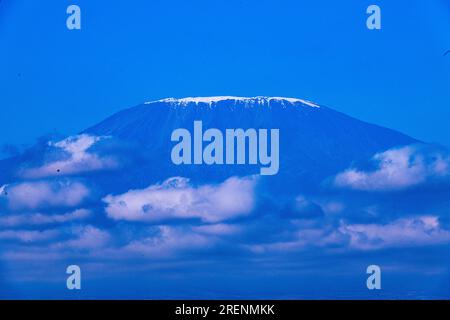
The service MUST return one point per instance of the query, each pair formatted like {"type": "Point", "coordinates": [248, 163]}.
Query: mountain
{"type": "Point", "coordinates": [315, 141]}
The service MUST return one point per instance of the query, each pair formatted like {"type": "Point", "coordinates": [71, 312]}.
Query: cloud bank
{"type": "Point", "coordinates": [177, 198]}
{"type": "Point", "coordinates": [71, 156]}
{"type": "Point", "coordinates": [44, 194]}
{"type": "Point", "coordinates": [397, 169]}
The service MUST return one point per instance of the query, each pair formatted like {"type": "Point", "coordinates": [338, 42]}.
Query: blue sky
{"type": "Point", "coordinates": [306, 232]}
{"type": "Point", "coordinates": [56, 80]}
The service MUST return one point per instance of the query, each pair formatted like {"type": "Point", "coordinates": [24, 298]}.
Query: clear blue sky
{"type": "Point", "coordinates": [53, 79]}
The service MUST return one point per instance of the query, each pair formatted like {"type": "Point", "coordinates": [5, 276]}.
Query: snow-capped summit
{"type": "Point", "coordinates": [247, 100]}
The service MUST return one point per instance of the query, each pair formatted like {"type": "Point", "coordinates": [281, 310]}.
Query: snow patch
{"type": "Point", "coordinates": [253, 100]}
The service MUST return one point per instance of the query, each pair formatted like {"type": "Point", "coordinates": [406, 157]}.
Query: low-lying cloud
{"type": "Point", "coordinates": [397, 169]}
{"type": "Point", "coordinates": [37, 219]}
{"type": "Point", "coordinates": [177, 198]}
{"type": "Point", "coordinates": [70, 156]}
{"type": "Point", "coordinates": [408, 232]}
{"type": "Point", "coordinates": [44, 194]}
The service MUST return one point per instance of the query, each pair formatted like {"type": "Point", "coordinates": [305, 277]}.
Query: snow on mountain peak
{"type": "Point", "coordinates": [212, 100]}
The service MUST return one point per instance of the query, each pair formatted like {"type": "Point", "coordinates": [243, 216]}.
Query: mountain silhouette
{"type": "Point", "coordinates": [315, 141]}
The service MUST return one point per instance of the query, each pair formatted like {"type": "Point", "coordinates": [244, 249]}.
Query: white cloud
{"type": "Point", "coordinates": [43, 219]}
{"type": "Point", "coordinates": [401, 233]}
{"type": "Point", "coordinates": [168, 241]}
{"type": "Point", "coordinates": [3, 189]}
{"type": "Point", "coordinates": [332, 207]}
{"type": "Point", "coordinates": [27, 235]}
{"type": "Point", "coordinates": [75, 158]}
{"type": "Point", "coordinates": [33, 195]}
{"type": "Point", "coordinates": [420, 231]}
{"type": "Point", "coordinates": [302, 239]}
{"type": "Point", "coordinates": [176, 198]}
{"type": "Point", "coordinates": [86, 237]}
{"type": "Point", "coordinates": [397, 169]}
{"type": "Point", "coordinates": [217, 229]}
{"type": "Point", "coordinates": [61, 243]}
